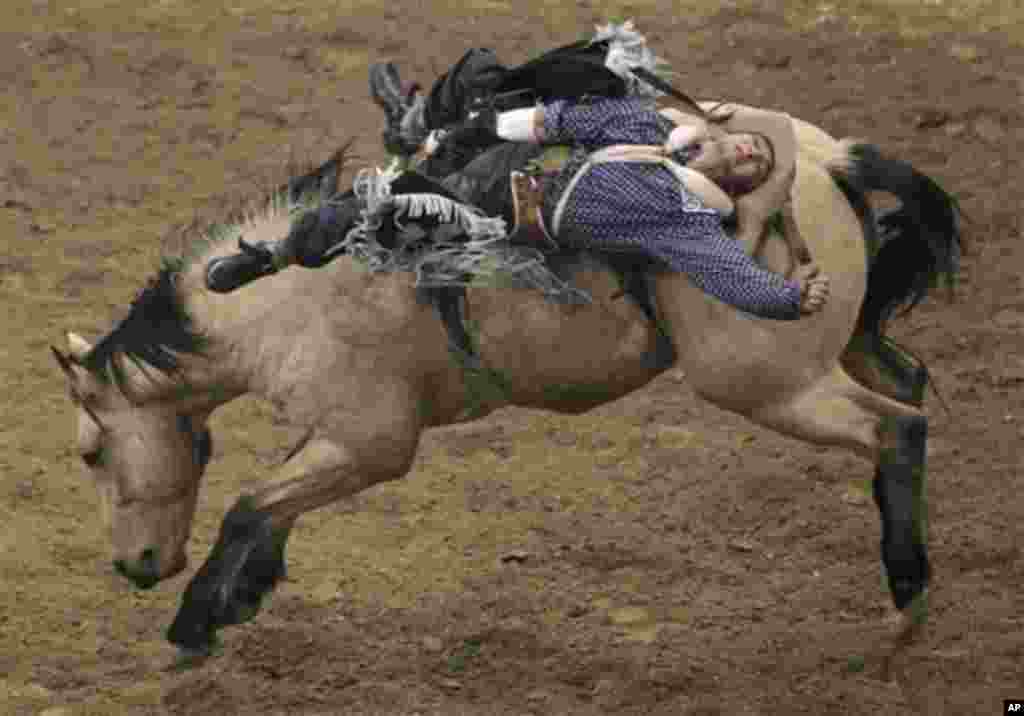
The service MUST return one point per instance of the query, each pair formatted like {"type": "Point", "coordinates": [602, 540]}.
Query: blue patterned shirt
{"type": "Point", "coordinates": [637, 207]}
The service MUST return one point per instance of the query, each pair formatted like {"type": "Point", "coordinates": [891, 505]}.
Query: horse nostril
{"type": "Point", "coordinates": [143, 575]}
{"type": "Point", "coordinates": [146, 566]}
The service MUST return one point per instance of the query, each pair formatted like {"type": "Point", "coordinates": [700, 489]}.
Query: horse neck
{"type": "Point", "coordinates": [234, 327]}
{"type": "Point", "coordinates": [273, 332]}
{"type": "Point", "coordinates": [198, 386]}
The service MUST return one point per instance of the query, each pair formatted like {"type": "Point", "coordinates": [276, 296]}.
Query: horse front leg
{"type": "Point", "coordinates": [247, 560]}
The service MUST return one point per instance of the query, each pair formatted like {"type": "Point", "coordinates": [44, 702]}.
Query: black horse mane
{"type": "Point", "coordinates": [158, 327]}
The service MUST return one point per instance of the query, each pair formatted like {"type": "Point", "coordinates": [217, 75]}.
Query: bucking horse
{"type": "Point", "coordinates": [363, 365]}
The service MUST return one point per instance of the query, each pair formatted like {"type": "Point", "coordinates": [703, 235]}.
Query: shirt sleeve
{"type": "Point", "coordinates": [603, 122]}
{"type": "Point", "coordinates": [719, 266]}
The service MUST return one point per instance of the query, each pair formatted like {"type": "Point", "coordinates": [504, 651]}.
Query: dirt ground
{"type": "Point", "coordinates": [655, 556]}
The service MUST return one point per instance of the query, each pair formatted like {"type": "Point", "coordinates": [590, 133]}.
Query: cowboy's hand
{"type": "Point", "coordinates": [814, 288]}
{"type": "Point", "coordinates": [480, 127]}
{"type": "Point", "coordinates": [482, 114]}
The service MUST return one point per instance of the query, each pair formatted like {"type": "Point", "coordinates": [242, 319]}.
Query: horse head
{"type": "Point", "coordinates": [146, 459]}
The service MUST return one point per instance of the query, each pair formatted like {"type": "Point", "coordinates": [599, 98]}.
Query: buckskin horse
{"type": "Point", "coordinates": [361, 364]}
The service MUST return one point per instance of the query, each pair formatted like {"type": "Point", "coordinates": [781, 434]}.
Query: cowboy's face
{"type": "Point", "coordinates": [742, 158]}
{"type": "Point", "coordinates": [748, 157]}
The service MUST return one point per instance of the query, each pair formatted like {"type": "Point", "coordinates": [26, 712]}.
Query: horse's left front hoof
{"type": "Point", "coordinates": [239, 612]}
{"type": "Point", "coordinates": [194, 629]}
{"type": "Point", "coordinates": [190, 658]}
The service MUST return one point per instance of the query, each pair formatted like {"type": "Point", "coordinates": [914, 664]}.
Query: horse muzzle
{"type": "Point", "coordinates": [145, 572]}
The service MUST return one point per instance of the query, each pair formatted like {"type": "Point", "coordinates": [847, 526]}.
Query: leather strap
{"type": "Point", "coordinates": [527, 197]}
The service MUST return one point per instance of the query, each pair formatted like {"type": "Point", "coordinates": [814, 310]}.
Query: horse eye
{"type": "Point", "coordinates": [93, 458]}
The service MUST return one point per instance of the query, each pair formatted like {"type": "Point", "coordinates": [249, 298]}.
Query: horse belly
{"type": "Point", "coordinates": [566, 358]}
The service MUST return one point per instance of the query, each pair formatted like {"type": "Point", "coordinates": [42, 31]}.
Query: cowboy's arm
{"type": "Point", "coordinates": [753, 210]}
{"type": "Point", "coordinates": [791, 233]}
{"type": "Point", "coordinates": [750, 234]}
{"type": "Point", "coordinates": [593, 124]}
{"type": "Point", "coordinates": [720, 267]}
{"type": "Point", "coordinates": [521, 125]}
{"type": "Point", "coordinates": [484, 125]}
{"type": "Point", "coordinates": [601, 123]}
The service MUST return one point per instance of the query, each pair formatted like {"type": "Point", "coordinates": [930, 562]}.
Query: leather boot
{"type": "Point", "coordinates": [405, 124]}
{"type": "Point", "coordinates": [228, 273]}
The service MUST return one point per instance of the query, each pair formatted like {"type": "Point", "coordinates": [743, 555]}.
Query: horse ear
{"type": "Point", "coordinates": [65, 363]}
{"type": "Point", "coordinates": [78, 347]}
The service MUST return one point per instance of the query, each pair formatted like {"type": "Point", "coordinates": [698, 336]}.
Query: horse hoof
{"type": "Point", "coordinates": [909, 621]}
{"type": "Point", "coordinates": [191, 658]}
{"type": "Point", "coordinates": [240, 613]}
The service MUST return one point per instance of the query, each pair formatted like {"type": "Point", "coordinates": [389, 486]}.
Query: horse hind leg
{"type": "Point", "coordinates": [839, 411]}
{"type": "Point", "coordinates": [884, 366]}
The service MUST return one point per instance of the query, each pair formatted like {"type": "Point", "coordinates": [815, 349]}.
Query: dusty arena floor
{"type": "Point", "coordinates": [656, 556]}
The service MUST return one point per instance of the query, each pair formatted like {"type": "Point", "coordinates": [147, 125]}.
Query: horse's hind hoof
{"type": "Point", "coordinates": [908, 622]}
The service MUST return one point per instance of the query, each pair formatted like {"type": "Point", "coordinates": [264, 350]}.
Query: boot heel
{"type": "Point", "coordinates": [229, 273]}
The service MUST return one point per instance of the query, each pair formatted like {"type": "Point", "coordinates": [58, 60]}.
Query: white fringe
{"type": "Point", "coordinates": [468, 249]}
{"type": "Point", "coordinates": [627, 49]}
{"type": "Point", "coordinates": [471, 221]}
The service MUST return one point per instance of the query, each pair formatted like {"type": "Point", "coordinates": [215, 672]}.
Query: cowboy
{"type": "Point", "coordinates": [639, 197]}
{"type": "Point", "coordinates": [637, 182]}
{"type": "Point", "coordinates": [741, 150]}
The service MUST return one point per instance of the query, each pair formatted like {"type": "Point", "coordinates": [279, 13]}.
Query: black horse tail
{"type": "Point", "coordinates": [911, 248]}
